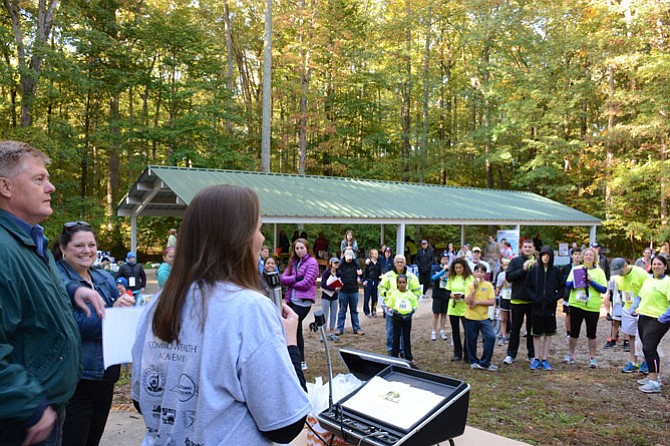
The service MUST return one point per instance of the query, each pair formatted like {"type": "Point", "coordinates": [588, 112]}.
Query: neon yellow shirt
{"type": "Point", "coordinates": [655, 295]}
{"type": "Point", "coordinates": [389, 284]}
{"type": "Point", "coordinates": [631, 284]}
{"type": "Point", "coordinates": [458, 284]}
{"type": "Point", "coordinates": [483, 292]}
{"type": "Point", "coordinates": [402, 301]}
{"type": "Point", "coordinates": [590, 301]}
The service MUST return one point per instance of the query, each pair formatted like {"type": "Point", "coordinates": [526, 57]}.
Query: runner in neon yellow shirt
{"type": "Point", "coordinates": [653, 306]}
{"type": "Point", "coordinates": [459, 277]}
{"type": "Point", "coordinates": [585, 304]}
{"type": "Point", "coordinates": [629, 280]}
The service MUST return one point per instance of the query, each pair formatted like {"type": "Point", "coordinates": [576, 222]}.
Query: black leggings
{"type": "Point", "coordinates": [302, 313]}
{"type": "Point", "coordinates": [651, 332]}
{"type": "Point", "coordinates": [460, 346]}
{"type": "Point", "coordinates": [577, 315]}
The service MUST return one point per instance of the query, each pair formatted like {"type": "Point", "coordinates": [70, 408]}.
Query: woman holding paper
{"type": "Point", "coordinates": [86, 413]}
{"type": "Point", "coordinates": [586, 283]}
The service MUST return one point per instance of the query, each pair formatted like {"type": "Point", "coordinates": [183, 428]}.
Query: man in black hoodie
{"type": "Point", "coordinates": [545, 287]}
{"type": "Point", "coordinates": [520, 305]}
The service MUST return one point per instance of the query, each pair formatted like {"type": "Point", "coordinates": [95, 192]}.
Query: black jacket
{"type": "Point", "coordinates": [516, 275]}
{"type": "Point", "coordinates": [424, 259]}
{"type": "Point", "coordinates": [348, 276]}
{"type": "Point", "coordinates": [544, 286]}
{"type": "Point", "coordinates": [136, 271]}
{"type": "Point", "coordinates": [373, 271]}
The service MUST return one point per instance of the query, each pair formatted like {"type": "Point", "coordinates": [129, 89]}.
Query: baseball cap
{"type": "Point", "coordinates": [122, 281]}
{"type": "Point", "coordinates": [476, 248]}
{"type": "Point", "coordinates": [334, 260]}
{"type": "Point", "coordinates": [595, 245]}
{"type": "Point", "coordinates": [617, 265]}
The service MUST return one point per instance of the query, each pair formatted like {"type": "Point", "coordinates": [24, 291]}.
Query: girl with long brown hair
{"type": "Point", "coordinates": [210, 360]}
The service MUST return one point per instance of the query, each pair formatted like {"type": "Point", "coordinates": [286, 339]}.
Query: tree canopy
{"type": "Point", "coordinates": [564, 98]}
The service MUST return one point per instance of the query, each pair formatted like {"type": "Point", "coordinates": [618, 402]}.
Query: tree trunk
{"type": "Point", "coordinates": [30, 71]}
{"type": "Point", "coordinates": [266, 132]}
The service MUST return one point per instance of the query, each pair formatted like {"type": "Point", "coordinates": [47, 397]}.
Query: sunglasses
{"type": "Point", "coordinates": [72, 224]}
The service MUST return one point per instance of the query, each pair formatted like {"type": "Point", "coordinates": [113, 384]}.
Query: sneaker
{"type": "Point", "coordinates": [593, 363]}
{"type": "Point", "coordinates": [535, 364]}
{"type": "Point", "coordinates": [359, 332]}
{"type": "Point", "coordinates": [443, 336]}
{"type": "Point", "coordinates": [610, 343]}
{"type": "Point", "coordinates": [631, 367]}
{"type": "Point", "coordinates": [501, 342]}
{"type": "Point", "coordinates": [492, 368]}
{"type": "Point", "coordinates": [626, 345]}
{"type": "Point", "coordinates": [644, 368]}
{"type": "Point", "coordinates": [455, 358]}
{"type": "Point", "coordinates": [432, 336]}
{"type": "Point", "coordinates": [508, 360]}
{"type": "Point", "coordinates": [476, 366]}
{"type": "Point", "coordinates": [644, 381]}
{"type": "Point", "coordinates": [333, 337]}
{"type": "Point", "coordinates": [545, 365]}
{"type": "Point", "coordinates": [303, 365]}
{"type": "Point", "coordinates": [651, 387]}
{"type": "Point", "coordinates": [568, 359]}
{"type": "Point", "coordinates": [339, 332]}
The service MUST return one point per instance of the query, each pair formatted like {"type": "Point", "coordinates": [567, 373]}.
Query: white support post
{"type": "Point", "coordinates": [400, 240]}
{"type": "Point", "coordinates": [592, 235]}
{"type": "Point", "coordinates": [133, 233]}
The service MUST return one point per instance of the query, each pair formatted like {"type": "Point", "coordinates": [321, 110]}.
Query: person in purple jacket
{"type": "Point", "coordinates": [299, 278]}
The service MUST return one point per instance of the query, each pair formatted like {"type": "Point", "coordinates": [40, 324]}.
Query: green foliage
{"type": "Point", "coordinates": [568, 100]}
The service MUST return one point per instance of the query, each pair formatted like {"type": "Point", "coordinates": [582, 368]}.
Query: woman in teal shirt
{"type": "Point", "coordinates": [164, 269]}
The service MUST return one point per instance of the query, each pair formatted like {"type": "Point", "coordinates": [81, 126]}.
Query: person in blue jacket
{"type": "Point", "coordinates": [86, 413]}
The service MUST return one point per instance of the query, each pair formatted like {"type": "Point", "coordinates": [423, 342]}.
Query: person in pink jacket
{"type": "Point", "coordinates": [299, 278]}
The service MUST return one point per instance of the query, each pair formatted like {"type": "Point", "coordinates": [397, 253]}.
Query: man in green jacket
{"type": "Point", "coordinates": [39, 339]}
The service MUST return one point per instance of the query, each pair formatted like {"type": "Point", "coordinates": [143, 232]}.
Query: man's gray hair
{"type": "Point", "coordinates": [400, 256]}
{"type": "Point", "coordinates": [12, 154]}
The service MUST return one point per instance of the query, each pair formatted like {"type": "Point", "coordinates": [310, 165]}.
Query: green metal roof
{"type": "Point", "coordinates": [166, 191]}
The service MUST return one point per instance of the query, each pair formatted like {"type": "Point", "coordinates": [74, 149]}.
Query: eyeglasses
{"type": "Point", "coordinates": [72, 224]}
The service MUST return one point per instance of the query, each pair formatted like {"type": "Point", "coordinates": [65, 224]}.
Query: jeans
{"type": "Point", "coordinates": [472, 329]}
{"type": "Point", "coordinates": [88, 409]}
{"type": "Point", "coordinates": [329, 308]}
{"type": "Point", "coordinates": [401, 330]}
{"type": "Point", "coordinates": [518, 312]}
{"type": "Point", "coordinates": [370, 297]}
{"type": "Point", "coordinates": [13, 433]}
{"type": "Point", "coordinates": [389, 336]}
{"type": "Point", "coordinates": [348, 300]}
{"type": "Point", "coordinates": [302, 313]}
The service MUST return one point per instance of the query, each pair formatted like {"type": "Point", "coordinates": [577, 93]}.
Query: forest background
{"type": "Point", "coordinates": [568, 99]}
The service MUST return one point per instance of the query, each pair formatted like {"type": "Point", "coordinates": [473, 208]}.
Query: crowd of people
{"type": "Point", "coordinates": [215, 361]}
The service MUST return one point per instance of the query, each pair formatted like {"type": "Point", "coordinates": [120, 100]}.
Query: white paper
{"type": "Point", "coordinates": [118, 334]}
{"type": "Point", "coordinates": [396, 403]}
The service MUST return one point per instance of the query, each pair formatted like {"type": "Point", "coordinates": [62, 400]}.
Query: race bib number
{"type": "Point", "coordinates": [506, 293]}
{"type": "Point", "coordinates": [581, 296]}
{"type": "Point", "coordinates": [404, 305]}
{"type": "Point", "coordinates": [443, 283]}
{"type": "Point", "coordinates": [131, 282]}
{"type": "Point", "coordinates": [627, 296]}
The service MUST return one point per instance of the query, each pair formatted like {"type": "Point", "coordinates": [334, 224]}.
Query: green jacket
{"type": "Point", "coordinates": [39, 339]}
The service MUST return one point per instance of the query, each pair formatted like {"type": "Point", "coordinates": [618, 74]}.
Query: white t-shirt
{"type": "Point", "coordinates": [221, 385]}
